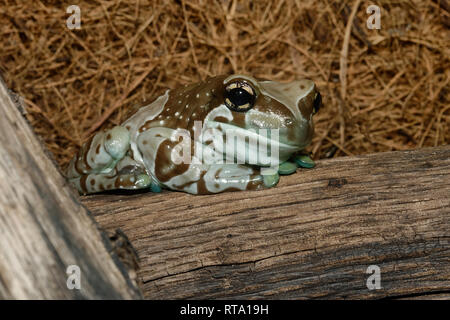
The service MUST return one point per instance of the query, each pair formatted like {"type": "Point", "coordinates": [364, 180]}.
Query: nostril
{"type": "Point", "coordinates": [317, 102]}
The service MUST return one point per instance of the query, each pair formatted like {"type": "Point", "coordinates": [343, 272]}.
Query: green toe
{"type": "Point", "coordinates": [304, 161]}
{"type": "Point", "coordinates": [143, 181]}
{"type": "Point", "coordinates": [271, 180]}
{"type": "Point", "coordinates": [155, 187]}
{"type": "Point", "coordinates": [287, 168]}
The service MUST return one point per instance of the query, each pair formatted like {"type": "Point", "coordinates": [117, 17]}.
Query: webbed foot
{"type": "Point", "coordinates": [303, 161]}
{"type": "Point", "coordinates": [296, 161]}
{"type": "Point", "coordinates": [102, 164]}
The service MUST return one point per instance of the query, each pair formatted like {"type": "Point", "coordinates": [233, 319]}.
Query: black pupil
{"type": "Point", "coordinates": [240, 97]}
{"type": "Point", "coordinates": [317, 102]}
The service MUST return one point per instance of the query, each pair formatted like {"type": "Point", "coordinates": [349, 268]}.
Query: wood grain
{"type": "Point", "coordinates": [44, 228]}
{"type": "Point", "coordinates": [313, 236]}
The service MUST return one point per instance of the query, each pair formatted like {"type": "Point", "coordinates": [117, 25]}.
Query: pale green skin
{"type": "Point", "coordinates": [125, 157]}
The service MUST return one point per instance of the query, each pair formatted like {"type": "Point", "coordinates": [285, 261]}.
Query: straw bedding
{"type": "Point", "coordinates": [383, 90]}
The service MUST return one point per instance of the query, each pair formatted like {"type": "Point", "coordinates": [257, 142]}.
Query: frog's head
{"type": "Point", "coordinates": [246, 105]}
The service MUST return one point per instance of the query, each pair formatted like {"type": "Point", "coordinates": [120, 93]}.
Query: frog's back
{"type": "Point", "coordinates": [179, 108]}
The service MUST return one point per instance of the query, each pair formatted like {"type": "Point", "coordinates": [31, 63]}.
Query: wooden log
{"type": "Point", "coordinates": [312, 236]}
{"type": "Point", "coordinates": [43, 227]}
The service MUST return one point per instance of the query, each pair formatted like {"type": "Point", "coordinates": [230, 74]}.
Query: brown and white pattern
{"type": "Point", "coordinates": [140, 153]}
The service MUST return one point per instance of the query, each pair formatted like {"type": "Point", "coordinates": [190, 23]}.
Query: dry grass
{"type": "Point", "coordinates": [383, 89]}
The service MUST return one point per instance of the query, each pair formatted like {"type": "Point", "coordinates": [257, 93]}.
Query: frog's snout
{"type": "Point", "coordinates": [298, 96]}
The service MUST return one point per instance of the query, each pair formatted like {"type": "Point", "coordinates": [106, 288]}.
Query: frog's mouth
{"type": "Point", "coordinates": [262, 147]}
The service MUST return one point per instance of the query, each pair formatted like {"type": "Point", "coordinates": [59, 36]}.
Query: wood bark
{"type": "Point", "coordinates": [43, 227]}
{"type": "Point", "coordinates": [313, 236]}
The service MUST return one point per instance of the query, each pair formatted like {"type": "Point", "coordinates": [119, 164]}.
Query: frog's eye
{"type": "Point", "coordinates": [317, 103]}
{"type": "Point", "coordinates": [239, 96]}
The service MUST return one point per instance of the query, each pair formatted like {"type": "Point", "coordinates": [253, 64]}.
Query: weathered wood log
{"type": "Point", "coordinates": [43, 227]}
{"type": "Point", "coordinates": [312, 236]}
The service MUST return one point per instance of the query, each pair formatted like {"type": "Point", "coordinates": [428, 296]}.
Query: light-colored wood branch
{"type": "Point", "coordinates": [43, 227]}
{"type": "Point", "coordinates": [312, 236]}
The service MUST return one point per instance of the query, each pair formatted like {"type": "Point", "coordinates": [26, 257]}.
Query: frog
{"type": "Point", "coordinates": [182, 140]}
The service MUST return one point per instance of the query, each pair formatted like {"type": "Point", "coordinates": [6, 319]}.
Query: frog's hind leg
{"type": "Point", "coordinates": [195, 176]}
{"type": "Point", "coordinates": [133, 179]}
{"type": "Point", "coordinates": [101, 164]}
{"type": "Point", "coordinates": [100, 153]}
{"type": "Point", "coordinates": [215, 178]}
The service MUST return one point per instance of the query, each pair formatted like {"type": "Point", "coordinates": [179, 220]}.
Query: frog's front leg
{"type": "Point", "coordinates": [102, 164]}
{"type": "Point", "coordinates": [98, 182]}
{"type": "Point", "coordinates": [160, 151]}
{"type": "Point", "coordinates": [228, 177]}
{"type": "Point", "coordinates": [216, 178]}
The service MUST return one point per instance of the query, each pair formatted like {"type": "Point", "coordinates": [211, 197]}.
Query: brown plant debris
{"type": "Point", "coordinates": [396, 79]}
